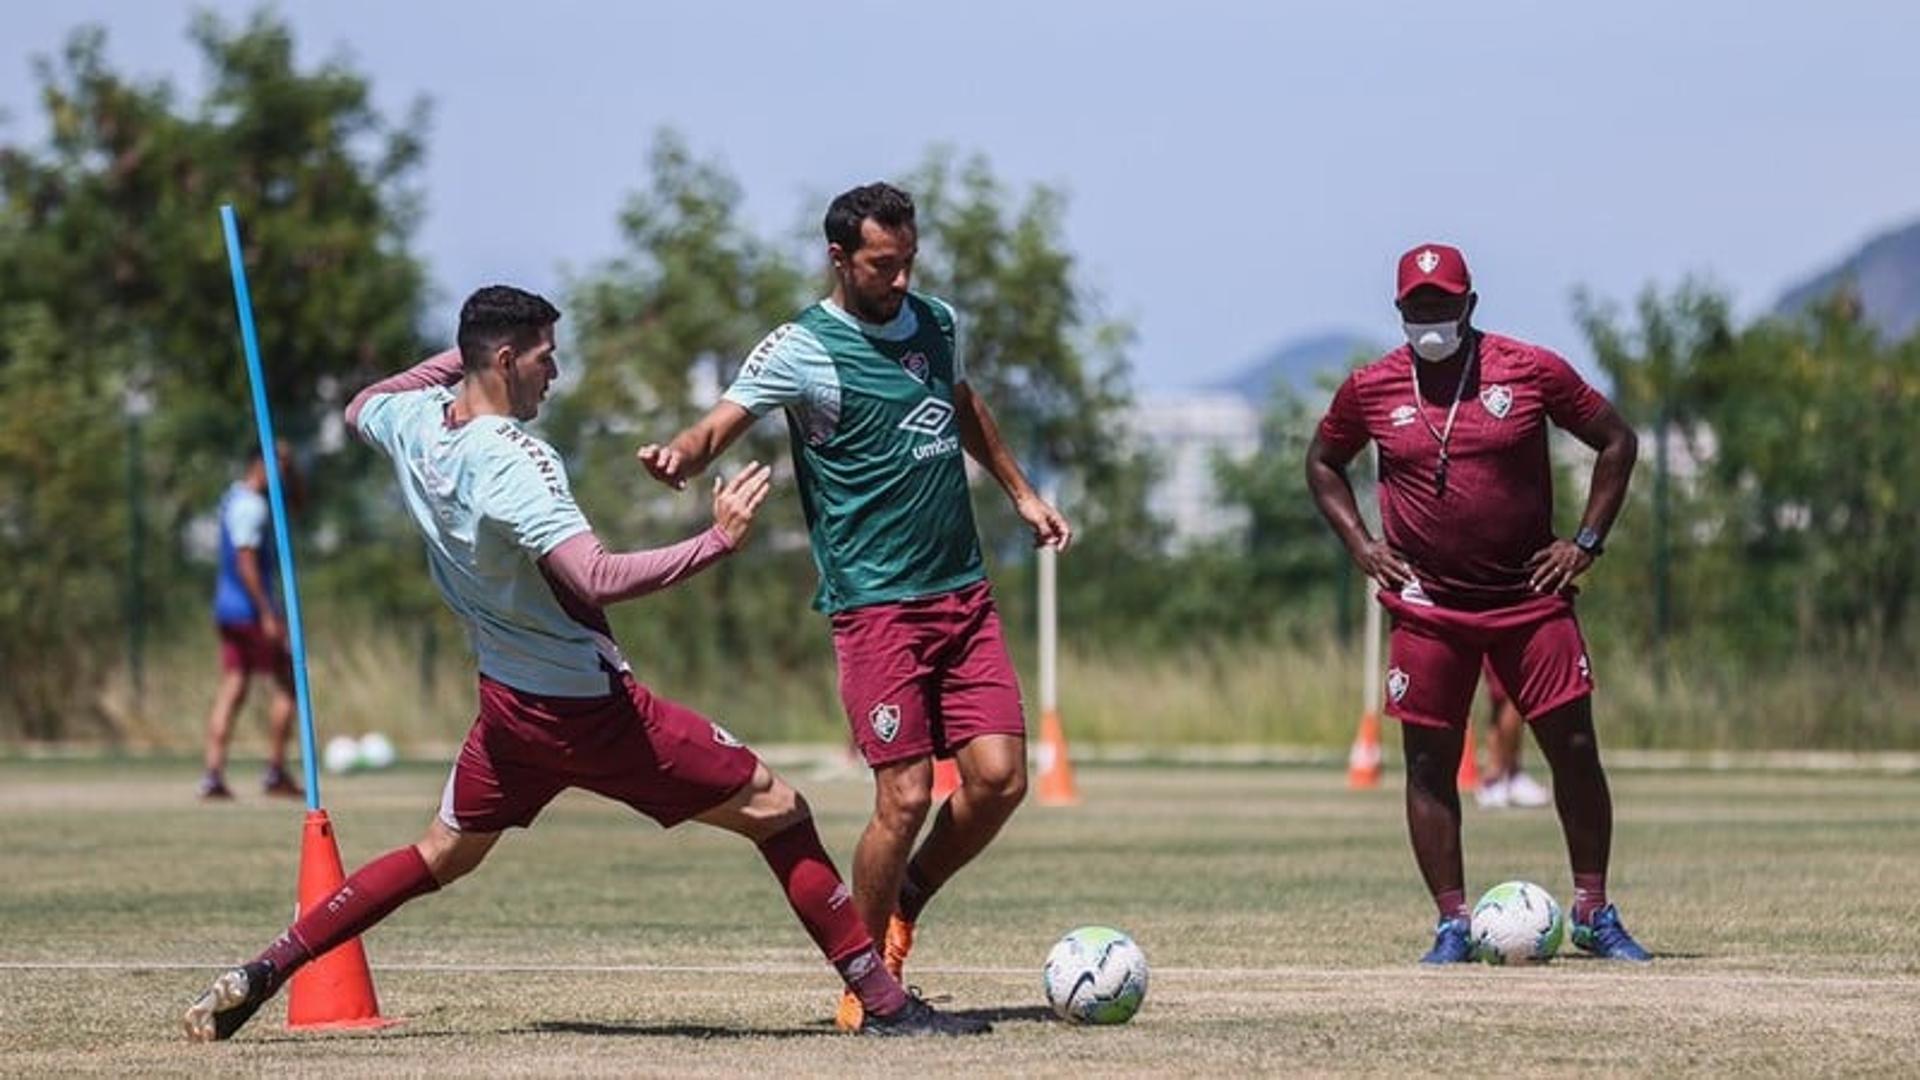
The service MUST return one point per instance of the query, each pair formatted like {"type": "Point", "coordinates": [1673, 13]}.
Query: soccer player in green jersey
{"type": "Point", "coordinates": [874, 384]}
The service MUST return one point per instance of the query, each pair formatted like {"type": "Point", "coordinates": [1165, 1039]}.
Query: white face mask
{"type": "Point", "coordinates": [1433, 340]}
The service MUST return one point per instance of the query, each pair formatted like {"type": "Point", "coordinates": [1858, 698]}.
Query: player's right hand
{"type": "Point", "coordinates": [272, 629]}
{"type": "Point", "coordinates": [664, 464]}
{"type": "Point", "coordinates": [1384, 565]}
{"type": "Point", "coordinates": [734, 501]}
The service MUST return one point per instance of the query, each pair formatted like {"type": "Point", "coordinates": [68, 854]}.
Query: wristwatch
{"type": "Point", "coordinates": [1588, 540]}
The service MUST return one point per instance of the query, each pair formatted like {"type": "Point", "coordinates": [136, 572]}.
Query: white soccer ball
{"type": "Point", "coordinates": [342, 754]}
{"type": "Point", "coordinates": [376, 751]}
{"type": "Point", "coordinates": [1096, 975]}
{"type": "Point", "coordinates": [1517, 923]}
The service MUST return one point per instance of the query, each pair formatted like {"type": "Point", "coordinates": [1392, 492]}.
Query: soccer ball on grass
{"type": "Point", "coordinates": [1517, 923]}
{"type": "Point", "coordinates": [1096, 975]}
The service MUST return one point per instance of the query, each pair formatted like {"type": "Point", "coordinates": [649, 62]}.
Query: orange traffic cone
{"type": "Point", "coordinates": [335, 990]}
{"type": "Point", "coordinates": [1056, 787]}
{"type": "Point", "coordinates": [1363, 761]}
{"type": "Point", "coordinates": [1469, 777]}
{"type": "Point", "coordinates": [946, 778]}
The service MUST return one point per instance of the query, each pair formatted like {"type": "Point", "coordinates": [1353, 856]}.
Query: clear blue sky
{"type": "Point", "coordinates": [1240, 173]}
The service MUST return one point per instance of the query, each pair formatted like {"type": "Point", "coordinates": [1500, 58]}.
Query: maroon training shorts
{"type": "Point", "coordinates": [924, 676]}
{"type": "Point", "coordinates": [657, 756]}
{"type": "Point", "coordinates": [1533, 648]}
{"type": "Point", "coordinates": [244, 647]}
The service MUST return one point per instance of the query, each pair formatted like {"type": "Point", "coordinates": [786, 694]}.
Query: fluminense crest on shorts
{"type": "Point", "coordinates": [1427, 260]}
{"type": "Point", "coordinates": [1397, 683]}
{"type": "Point", "coordinates": [1497, 400]}
{"type": "Point", "coordinates": [885, 719]}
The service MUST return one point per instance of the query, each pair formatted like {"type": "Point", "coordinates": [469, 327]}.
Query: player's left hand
{"type": "Point", "coordinates": [1050, 529]}
{"type": "Point", "coordinates": [1556, 565]}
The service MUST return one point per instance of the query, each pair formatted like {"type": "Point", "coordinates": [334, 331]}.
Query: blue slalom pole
{"type": "Point", "coordinates": [282, 538]}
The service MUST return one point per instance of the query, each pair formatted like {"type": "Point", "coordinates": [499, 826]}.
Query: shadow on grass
{"type": "Point", "coordinates": [666, 1031]}
{"type": "Point", "coordinates": [1658, 954]}
{"type": "Point", "coordinates": [1038, 1014]}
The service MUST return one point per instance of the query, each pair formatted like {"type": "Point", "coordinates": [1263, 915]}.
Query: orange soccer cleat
{"type": "Point", "coordinates": [899, 944]}
{"type": "Point", "coordinates": [849, 1016]}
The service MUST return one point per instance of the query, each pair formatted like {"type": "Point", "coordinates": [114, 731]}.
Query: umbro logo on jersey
{"type": "Point", "coordinates": [930, 417]}
{"type": "Point", "coordinates": [1404, 415]}
{"type": "Point", "coordinates": [1497, 400]}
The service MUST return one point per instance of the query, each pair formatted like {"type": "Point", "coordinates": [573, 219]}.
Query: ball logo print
{"type": "Point", "coordinates": [1397, 683]}
{"type": "Point", "coordinates": [930, 417]}
{"type": "Point", "coordinates": [1427, 260]}
{"type": "Point", "coordinates": [885, 719]}
{"type": "Point", "coordinates": [1497, 400]}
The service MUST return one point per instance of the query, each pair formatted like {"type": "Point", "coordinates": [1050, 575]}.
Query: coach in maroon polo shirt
{"type": "Point", "coordinates": [1469, 568]}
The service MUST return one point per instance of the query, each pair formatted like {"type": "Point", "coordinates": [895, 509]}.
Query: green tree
{"type": "Point", "coordinates": [1288, 567]}
{"type": "Point", "coordinates": [1793, 492]}
{"type": "Point", "coordinates": [109, 232]}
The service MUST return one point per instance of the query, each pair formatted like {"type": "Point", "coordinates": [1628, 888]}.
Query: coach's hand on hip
{"type": "Point", "coordinates": [734, 501]}
{"type": "Point", "coordinates": [1556, 565]}
{"type": "Point", "coordinates": [1383, 564]}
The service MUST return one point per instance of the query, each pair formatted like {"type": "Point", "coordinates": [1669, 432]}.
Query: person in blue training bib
{"type": "Point", "coordinates": [253, 632]}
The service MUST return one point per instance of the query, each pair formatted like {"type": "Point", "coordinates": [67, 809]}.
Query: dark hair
{"type": "Point", "coordinates": [501, 314]}
{"type": "Point", "coordinates": [887, 205]}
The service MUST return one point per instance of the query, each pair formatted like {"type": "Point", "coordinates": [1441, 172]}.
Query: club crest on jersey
{"type": "Point", "coordinates": [1404, 415]}
{"type": "Point", "coordinates": [1496, 400]}
{"type": "Point", "coordinates": [1427, 260]}
{"type": "Point", "coordinates": [916, 365]}
{"type": "Point", "coordinates": [885, 719]}
{"type": "Point", "coordinates": [724, 737]}
{"type": "Point", "coordinates": [1397, 683]}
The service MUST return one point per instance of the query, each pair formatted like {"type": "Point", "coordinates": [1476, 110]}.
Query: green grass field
{"type": "Point", "coordinates": [1281, 912]}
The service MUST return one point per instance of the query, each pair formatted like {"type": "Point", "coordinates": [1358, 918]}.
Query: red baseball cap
{"type": "Point", "coordinates": [1438, 265]}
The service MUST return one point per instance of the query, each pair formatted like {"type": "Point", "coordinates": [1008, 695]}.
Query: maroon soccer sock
{"type": "Point", "coordinates": [879, 992]}
{"type": "Point", "coordinates": [825, 907]}
{"type": "Point", "coordinates": [1589, 896]}
{"type": "Point", "coordinates": [1452, 903]}
{"type": "Point", "coordinates": [914, 894]}
{"type": "Point", "coordinates": [371, 894]}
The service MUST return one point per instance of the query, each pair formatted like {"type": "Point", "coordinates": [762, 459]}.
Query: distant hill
{"type": "Point", "coordinates": [1298, 363]}
{"type": "Point", "coordinates": [1884, 272]}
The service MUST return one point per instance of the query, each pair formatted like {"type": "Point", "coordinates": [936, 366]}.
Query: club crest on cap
{"type": "Point", "coordinates": [1427, 260]}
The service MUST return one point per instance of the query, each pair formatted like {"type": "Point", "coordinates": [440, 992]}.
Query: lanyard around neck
{"type": "Point", "coordinates": [1443, 436]}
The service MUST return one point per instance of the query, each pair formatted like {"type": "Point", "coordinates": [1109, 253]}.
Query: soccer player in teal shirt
{"type": "Point", "coordinates": [873, 381]}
